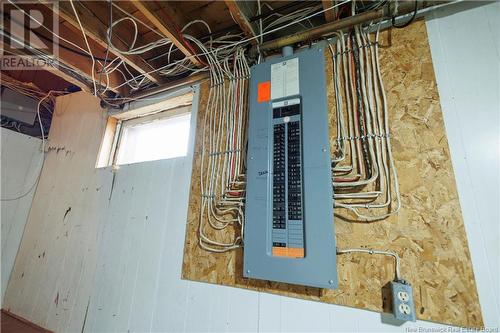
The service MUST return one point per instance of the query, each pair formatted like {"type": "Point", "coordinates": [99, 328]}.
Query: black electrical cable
{"type": "Point", "coordinates": [360, 112]}
{"type": "Point", "coordinates": [404, 25]}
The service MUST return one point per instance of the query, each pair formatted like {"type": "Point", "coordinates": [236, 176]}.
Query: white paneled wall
{"type": "Point", "coordinates": [21, 160]}
{"type": "Point", "coordinates": [465, 50]}
{"type": "Point", "coordinates": [113, 261]}
{"type": "Point", "coordinates": [54, 269]}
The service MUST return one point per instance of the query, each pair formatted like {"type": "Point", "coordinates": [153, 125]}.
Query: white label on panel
{"type": "Point", "coordinates": [292, 101]}
{"type": "Point", "coordinates": [285, 78]}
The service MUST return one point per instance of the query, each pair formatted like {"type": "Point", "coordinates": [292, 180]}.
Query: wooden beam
{"type": "Point", "coordinates": [96, 30]}
{"type": "Point", "coordinates": [29, 84]}
{"type": "Point", "coordinates": [238, 11]}
{"type": "Point", "coordinates": [55, 71]}
{"type": "Point", "coordinates": [80, 64]}
{"type": "Point", "coordinates": [49, 80]}
{"type": "Point", "coordinates": [169, 29]}
{"type": "Point", "coordinates": [332, 13]}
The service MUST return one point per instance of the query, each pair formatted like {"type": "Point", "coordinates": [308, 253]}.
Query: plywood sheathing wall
{"type": "Point", "coordinates": [428, 233]}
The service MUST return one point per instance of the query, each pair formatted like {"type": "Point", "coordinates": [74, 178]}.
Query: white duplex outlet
{"type": "Point", "coordinates": [403, 296]}
{"type": "Point", "coordinates": [403, 306]}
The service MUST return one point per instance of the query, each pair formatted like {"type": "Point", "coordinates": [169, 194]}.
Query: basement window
{"type": "Point", "coordinates": [157, 136]}
{"type": "Point", "coordinates": [152, 138]}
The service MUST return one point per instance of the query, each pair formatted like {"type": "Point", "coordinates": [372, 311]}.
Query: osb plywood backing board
{"type": "Point", "coordinates": [428, 233]}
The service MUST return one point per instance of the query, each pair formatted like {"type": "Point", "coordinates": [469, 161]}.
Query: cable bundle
{"type": "Point", "coordinates": [215, 48]}
{"type": "Point", "coordinates": [174, 68]}
{"type": "Point", "coordinates": [365, 176]}
{"type": "Point", "coordinates": [223, 155]}
{"type": "Point", "coordinates": [276, 19]}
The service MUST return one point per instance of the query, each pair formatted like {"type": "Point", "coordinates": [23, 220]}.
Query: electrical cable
{"type": "Point", "coordinates": [404, 25]}
{"type": "Point", "coordinates": [184, 65]}
{"type": "Point", "coordinates": [107, 49]}
{"type": "Point", "coordinates": [222, 169]}
{"type": "Point", "coordinates": [243, 41]}
{"type": "Point", "coordinates": [394, 255]}
{"type": "Point", "coordinates": [88, 46]}
{"type": "Point", "coordinates": [284, 18]}
{"type": "Point", "coordinates": [85, 53]}
{"type": "Point", "coordinates": [34, 184]}
{"type": "Point", "coordinates": [364, 169]}
{"type": "Point", "coordinates": [48, 60]}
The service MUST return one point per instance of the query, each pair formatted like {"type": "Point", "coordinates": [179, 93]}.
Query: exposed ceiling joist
{"type": "Point", "coordinates": [331, 13]}
{"type": "Point", "coordinates": [168, 28]}
{"type": "Point", "coordinates": [240, 14]}
{"type": "Point", "coordinates": [55, 71]}
{"type": "Point", "coordinates": [98, 32]}
{"type": "Point", "coordinates": [81, 65]}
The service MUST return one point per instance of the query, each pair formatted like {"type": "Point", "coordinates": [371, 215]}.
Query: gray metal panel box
{"type": "Point", "coordinates": [18, 106]}
{"type": "Point", "coordinates": [289, 233]}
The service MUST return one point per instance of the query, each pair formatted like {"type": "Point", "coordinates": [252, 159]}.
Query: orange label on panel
{"type": "Point", "coordinates": [295, 252]}
{"type": "Point", "coordinates": [288, 252]}
{"type": "Point", "coordinates": [264, 92]}
{"type": "Point", "coordinates": [280, 251]}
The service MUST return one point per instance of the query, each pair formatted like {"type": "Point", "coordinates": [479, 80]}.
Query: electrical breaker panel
{"type": "Point", "coordinates": [289, 235]}
{"type": "Point", "coordinates": [288, 225]}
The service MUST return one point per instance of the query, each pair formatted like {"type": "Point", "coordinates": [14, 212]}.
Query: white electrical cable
{"type": "Point", "coordinates": [35, 182]}
{"type": "Point", "coordinates": [222, 176]}
{"type": "Point", "coordinates": [385, 253]}
{"type": "Point", "coordinates": [88, 46]}
{"type": "Point", "coordinates": [367, 179]}
{"type": "Point", "coordinates": [132, 49]}
{"type": "Point", "coordinates": [237, 43]}
{"type": "Point", "coordinates": [290, 17]}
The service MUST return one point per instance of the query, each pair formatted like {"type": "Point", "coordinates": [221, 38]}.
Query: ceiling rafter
{"type": "Point", "coordinates": [168, 28]}
{"type": "Point", "coordinates": [98, 32]}
{"type": "Point", "coordinates": [329, 14]}
{"type": "Point", "coordinates": [53, 70]}
{"type": "Point", "coordinates": [240, 15]}
{"type": "Point", "coordinates": [81, 65]}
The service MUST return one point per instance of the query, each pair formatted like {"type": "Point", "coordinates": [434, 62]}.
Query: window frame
{"type": "Point", "coordinates": [169, 103]}
{"type": "Point", "coordinates": [124, 124]}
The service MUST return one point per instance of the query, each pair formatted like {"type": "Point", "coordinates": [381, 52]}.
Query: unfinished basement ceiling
{"type": "Point", "coordinates": [126, 50]}
{"type": "Point", "coordinates": [156, 42]}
